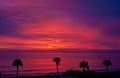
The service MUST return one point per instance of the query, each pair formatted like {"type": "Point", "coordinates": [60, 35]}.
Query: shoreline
{"type": "Point", "coordinates": [69, 73]}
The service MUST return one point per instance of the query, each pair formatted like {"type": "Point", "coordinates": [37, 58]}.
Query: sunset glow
{"type": "Point", "coordinates": [42, 25]}
{"type": "Point", "coordinates": [37, 31]}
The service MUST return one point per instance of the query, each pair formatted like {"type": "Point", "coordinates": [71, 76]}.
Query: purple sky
{"type": "Point", "coordinates": [60, 24]}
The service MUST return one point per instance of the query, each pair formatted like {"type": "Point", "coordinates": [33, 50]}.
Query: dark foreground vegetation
{"type": "Point", "coordinates": [78, 74]}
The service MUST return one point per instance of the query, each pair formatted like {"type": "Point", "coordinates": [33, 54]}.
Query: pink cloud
{"type": "Point", "coordinates": [57, 24]}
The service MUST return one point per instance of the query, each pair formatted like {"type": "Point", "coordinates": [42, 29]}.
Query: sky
{"type": "Point", "coordinates": [59, 24]}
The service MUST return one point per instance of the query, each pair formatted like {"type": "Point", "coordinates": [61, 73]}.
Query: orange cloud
{"type": "Point", "coordinates": [60, 35]}
{"type": "Point", "coordinates": [58, 28]}
{"type": "Point", "coordinates": [53, 34]}
{"type": "Point", "coordinates": [19, 43]}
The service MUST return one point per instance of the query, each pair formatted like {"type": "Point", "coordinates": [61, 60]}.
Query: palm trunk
{"type": "Point", "coordinates": [88, 68]}
{"type": "Point", "coordinates": [107, 69]}
{"type": "Point", "coordinates": [57, 70]}
{"type": "Point", "coordinates": [17, 72]}
{"type": "Point", "coordinates": [83, 69]}
{"type": "Point", "coordinates": [0, 75]}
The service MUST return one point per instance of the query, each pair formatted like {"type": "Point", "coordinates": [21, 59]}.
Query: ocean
{"type": "Point", "coordinates": [38, 63]}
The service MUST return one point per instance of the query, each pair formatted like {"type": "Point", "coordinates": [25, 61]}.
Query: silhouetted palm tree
{"type": "Point", "coordinates": [17, 63]}
{"type": "Point", "coordinates": [84, 65]}
{"type": "Point", "coordinates": [57, 61]}
{"type": "Point", "coordinates": [0, 75]}
{"type": "Point", "coordinates": [107, 63]}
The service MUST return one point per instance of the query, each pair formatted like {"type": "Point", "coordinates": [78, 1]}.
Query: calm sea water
{"type": "Point", "coordinates": [41, 63]}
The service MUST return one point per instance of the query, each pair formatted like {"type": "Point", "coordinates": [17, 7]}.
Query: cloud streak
{"type": "Point", "coordinates": [51, 24]}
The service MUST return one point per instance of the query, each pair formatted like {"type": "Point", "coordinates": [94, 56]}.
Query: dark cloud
{"type": "Point", "coordinates": [7, 26]}
{"type": "Point", "coordinates": [11, 19]}
{"type": "Point", "coordinates": [113, 30]}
